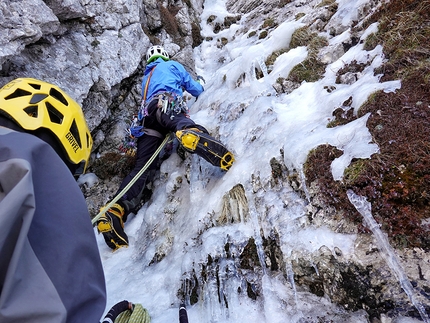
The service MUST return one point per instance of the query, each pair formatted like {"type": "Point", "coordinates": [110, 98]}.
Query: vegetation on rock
{"type": "Point", "coordinates": [397, 180]}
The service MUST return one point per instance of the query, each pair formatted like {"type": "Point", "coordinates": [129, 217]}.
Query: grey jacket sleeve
{"type": "Point", "coordinates": [50, 267]}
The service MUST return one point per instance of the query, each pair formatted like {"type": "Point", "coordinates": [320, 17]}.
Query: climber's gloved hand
{"type": "Point", "coordinates": [201, 80]}
{"type": "Point", "coordinates": [136, 131]}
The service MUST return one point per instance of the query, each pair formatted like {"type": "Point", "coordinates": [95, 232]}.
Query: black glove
{"type": "Point", "coordinates": [201, 80]}
{"type": "Point", "coordinates": [117, 309]}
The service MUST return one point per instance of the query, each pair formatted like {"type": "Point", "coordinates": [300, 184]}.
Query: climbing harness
{"type": "Point", "coordinates": [171, 104]}
{"type": "Point", "coordinates": [133, 180]}
{"type": "Point", "coordinates": [167, 102]}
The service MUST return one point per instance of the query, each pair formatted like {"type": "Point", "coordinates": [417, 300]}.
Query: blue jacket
{"type": "Point", "coordinates": [169, 76]}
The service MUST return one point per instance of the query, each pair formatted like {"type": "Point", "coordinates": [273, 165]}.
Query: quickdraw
{"type": "Point", "coordinates": [128, 146]}
{"type": "Point", "coordinates": [167, 102]}
{"type": "Point", "coordinates": [171, 104]}
{"type": "Point", "coordinates": [129, 143]}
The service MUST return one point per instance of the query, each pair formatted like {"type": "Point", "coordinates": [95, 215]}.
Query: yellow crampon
{"type": "Point", "coordinates": [212, 150]}
{"type": "Point", "coordinates": [227, 160]}
{"type": "Point", "coordinates": [111, 225]}
{"type": "Point", "coordinates": [188, 139]}
{"type": "Point", "coordinates": [103, 226]}
{"type": "Point", "coordinates": [117, 246]}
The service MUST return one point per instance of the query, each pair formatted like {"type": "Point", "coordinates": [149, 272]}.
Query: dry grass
{"type": "Point", "coordinates": [311, 69]}
{"type": "Point", "coordinates": [113, 164]}
{"type": "Point", "coordinates": [396, 181]}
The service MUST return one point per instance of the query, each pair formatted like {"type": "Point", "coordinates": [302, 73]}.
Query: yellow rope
{"type": "Point", "coordinates": [138, 315]}
{"type": "Point", "coordinates": [135, 178]}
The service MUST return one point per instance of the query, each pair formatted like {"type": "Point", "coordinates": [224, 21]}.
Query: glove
{"type": "Point", "coordinates": [136, 131]}
{"type": "Point", "coordinates": [201, 80]}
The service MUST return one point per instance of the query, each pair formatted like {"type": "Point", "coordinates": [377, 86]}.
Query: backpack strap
{"type": "Point", "coordinates": [143, 112]}
{"type": "Point", "coordinates": [145, 91]}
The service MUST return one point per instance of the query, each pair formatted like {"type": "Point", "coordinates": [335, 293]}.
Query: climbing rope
{"type": "Point", "coordinates": [134, 179]}
{"type": "Point", "coordinates": [138, 315]}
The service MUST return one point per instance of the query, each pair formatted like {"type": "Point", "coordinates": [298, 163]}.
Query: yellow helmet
{"type": "Point", "coordinates": [36, 105]}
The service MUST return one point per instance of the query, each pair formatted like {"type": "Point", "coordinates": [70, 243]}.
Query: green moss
{"type": "Point", "coordinates": [332, 124]}
{"type": "Point", "coordinates": [404, 31]}
{"type": "Point", "coordinates": [300, 37]}
{"type": "Point", "coordinates": [300, 15]}
{"type": "Point", "coordinates": [268, 23]}
{"type": "Point", "coordinates": [325, 3]}
{"type": "Point", "coordinates": [283, 3]}
{"type": "Point", "coordinates": [280, 80]}
{"type": "Point", "coordinates": [272, 57]}
{"type": "Point", "coordinates": [263, 34]}
{"type": "Point", "coordinates": [371, 42]}
{"type": "Point", "coordinates": [316, 43]}
{"type": "Point", "coordinates": [310, 70]}
{"type": "Point", "coordinates": [211, 19]}
{"type": "Point", "coordinates": [112, 164]}
{"type": "Point", "coordinates": [95, 43]}
{"type": "Point", "coordinates": [353, 171]}
{"type": "Point", "coordinates": [370, 101]}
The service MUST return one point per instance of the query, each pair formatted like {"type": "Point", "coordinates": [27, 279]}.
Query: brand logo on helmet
{"type": "Point", "coordinates": [72, 141]}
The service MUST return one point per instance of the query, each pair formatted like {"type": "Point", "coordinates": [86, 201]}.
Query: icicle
{"type": "Point", "coordinates": [261, 254]}
{"type": "Point", "coordinates": [253, 75]}
{"type": "Point", "coordinates": [316, 268]}
{"type": "Point", "coordinates": [290, 276]}
{"type": "Point", "coordinates": [268, 87]}
{"type": "Point", "coordinates": [262, 66]}
{"type": "Point", "coordinates": [388, 252]}
{"type": "Point", "coordinates": [257, 237]}
{"type": "Point", "coordinates": [303, 182]}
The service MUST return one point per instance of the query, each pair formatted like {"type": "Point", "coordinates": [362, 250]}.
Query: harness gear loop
{"type": "Point", "coordinates": [171, 103]}
{"type": "Point", "coordinates": [133, 180]}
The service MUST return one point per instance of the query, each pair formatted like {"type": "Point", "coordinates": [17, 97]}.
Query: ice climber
{"type": "Point", "coordinates": [163, 111]}
{"type": "Point", "coordinates": [50, 267]}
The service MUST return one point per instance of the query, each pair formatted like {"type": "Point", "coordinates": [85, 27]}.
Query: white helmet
{"type": "Point", "coordinates": [155, 52]}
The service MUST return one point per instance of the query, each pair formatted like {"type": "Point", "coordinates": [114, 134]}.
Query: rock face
{"type": "Point", "coordinates": [95, 51]}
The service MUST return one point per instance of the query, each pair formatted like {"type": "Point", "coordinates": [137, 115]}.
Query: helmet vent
{"type": "Point", "coordinates": [57, 95]}
{"type": "Point", "coordinates": [88, 140]}
{"type": "Point", "coordinates": [54, 115]}
{"type": "Point", "coordinates": [37, 98]}
{"type": "Point", "coordinates": [31, 111]}
{"type": "Point", "coordinates": [17, 94]}
{"type": "Point", "coordinates": [35, 86]}
{"type": "Point", "coordinates": [75, 133]}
